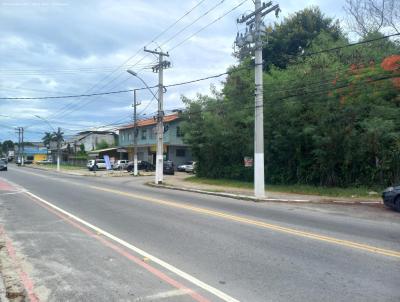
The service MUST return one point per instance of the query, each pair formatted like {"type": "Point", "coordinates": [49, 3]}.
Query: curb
{"type": "Point", "coordinates": [230, 195]}
{"type": "Point", "coordinates": [254, 199]}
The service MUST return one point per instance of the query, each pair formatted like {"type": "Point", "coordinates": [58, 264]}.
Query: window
{"type": "Point", "coordinates": [152, 132]}
{"type": "Point", "coordinates": [144, 133]}
{"type": "Point", "coordinates": [179, 132]}
{"type": "Point", "coordinates": [180, 152]}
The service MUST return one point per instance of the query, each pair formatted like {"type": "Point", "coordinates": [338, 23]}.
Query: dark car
{"type": "Point", "coordinates": [3, 165]}
{"type": "Point", "coordinates": [391, 197]}
{"type": "Point", "coordinates": [142, 165]}
{"type": "Point", "coordinates": [168, 167]}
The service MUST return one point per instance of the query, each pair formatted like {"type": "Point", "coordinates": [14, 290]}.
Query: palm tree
{"type": "Point", "coordinates": [47, 138]}
{"type": "Point", "coordinates": [58, 136]}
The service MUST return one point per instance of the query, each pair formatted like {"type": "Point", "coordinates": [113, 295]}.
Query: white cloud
{"type": "Point", "coordinates": [71, 47]}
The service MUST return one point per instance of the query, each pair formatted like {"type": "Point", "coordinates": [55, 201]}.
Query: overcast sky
{"type": "Point", "coordinates": [64, 47]}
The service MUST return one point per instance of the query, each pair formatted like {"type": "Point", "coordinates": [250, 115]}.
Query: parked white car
{"type": "Point", "coordinates": [95, 164]}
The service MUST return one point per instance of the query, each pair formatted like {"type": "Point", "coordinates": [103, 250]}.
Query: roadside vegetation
{"type": "Point", "coordinates": [63, 166]}
{"type": "Point", "coordinates": [331, 118]}
{"type": "Point", "coordinates": [350, 192]}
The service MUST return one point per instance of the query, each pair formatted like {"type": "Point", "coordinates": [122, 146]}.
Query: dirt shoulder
{"type": "Point", "coordinates": [11, 287]}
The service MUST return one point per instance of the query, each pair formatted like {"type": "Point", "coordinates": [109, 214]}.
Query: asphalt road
{"type": "Point", "coordinates": [114, 239]}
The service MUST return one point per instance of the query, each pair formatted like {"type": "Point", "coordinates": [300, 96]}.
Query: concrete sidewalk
{"type": "Point", "coordinates": [177, 182]}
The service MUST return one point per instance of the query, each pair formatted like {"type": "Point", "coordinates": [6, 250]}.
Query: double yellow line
{"type": "Point", "coordinates": [332, 240]}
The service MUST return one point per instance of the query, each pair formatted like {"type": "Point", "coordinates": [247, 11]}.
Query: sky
{"type": "Point", "coordinates": [69, 47]}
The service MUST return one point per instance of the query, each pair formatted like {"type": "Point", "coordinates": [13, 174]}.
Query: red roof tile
{"type": "Point", "coordinates": [152, 121]}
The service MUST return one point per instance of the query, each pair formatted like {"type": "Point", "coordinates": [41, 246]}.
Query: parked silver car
{"type": "Point", "coordinates": [191, 168]}
{"type": "Point", "coordinates": [182, 168]}
{"type": "Point", "coordinates": [121, 164]}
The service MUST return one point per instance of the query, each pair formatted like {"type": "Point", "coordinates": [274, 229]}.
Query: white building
{"type": "Point", "coordinates": [91, 139]}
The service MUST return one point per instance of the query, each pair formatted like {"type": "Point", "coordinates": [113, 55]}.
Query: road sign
{"type": "Point", "coordinates": [248, 161]}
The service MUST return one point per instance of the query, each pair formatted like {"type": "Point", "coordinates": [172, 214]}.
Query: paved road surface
{"type": "Point", "coordinates": [114, 239]}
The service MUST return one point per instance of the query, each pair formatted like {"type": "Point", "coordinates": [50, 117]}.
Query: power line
{"type": "Point", "coordinates": [127, 90]}
{"type": "Point", "coordinates": [314, 92]}
{"type": "Point", "coordinates": [348, 45]}
{"type": "Point", "coordinates": [85, 104]}
{"type": "Point", "coordinates": [111, 92]}
{"type": "Point", "coordinates": [193, 22]}
{"type": "Point", "coordinates": [137, 52]}
{"type": "Point", "coordinates": [206, 26]}
{"type": "Point", "coordinates": [40, 71]}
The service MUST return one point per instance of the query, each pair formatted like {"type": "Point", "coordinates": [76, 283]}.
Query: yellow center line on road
{"type": "Point", "coordinates": [332, 240]}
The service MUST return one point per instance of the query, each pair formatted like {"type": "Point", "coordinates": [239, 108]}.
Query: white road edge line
{"type": "Point", "coordinates": [164, 295]}
{"type": "Point", "coordinates": [171, 268]}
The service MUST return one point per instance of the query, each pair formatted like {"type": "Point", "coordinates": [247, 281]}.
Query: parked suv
{"type": "Point", "coordinates": [391, 197]}
{"type": "Point", "coordinates": [121, 164]}
{"type": "Point", "coordinates": [168, 167]}
{"type": "Point", "coordinates": [95, 164]}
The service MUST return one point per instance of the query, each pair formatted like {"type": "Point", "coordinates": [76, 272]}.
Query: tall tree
{"type": "Point", "coordinates": [8, 145]}
{"type": "Point", "coordinates": [369, 16]}
{"type": "Point", "coordinates": [295, 34]}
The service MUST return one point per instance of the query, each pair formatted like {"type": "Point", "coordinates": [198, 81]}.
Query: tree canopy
{"type": "Point", "coordinates": [295, 34]}
{"type": "Point", "coordinates": [329, 118]}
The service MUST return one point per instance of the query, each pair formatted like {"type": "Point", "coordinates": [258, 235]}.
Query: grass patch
{"type": "Point", "coordinates": [298, 189]}
{"type": "Point", "coordinates": [220, 182]}
{"type": "Point", "coordinates": [63, 166]}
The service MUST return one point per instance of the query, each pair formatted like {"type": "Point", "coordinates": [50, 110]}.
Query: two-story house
{"type": "Point", "coordinates": [91, 139]}
{"type": "Point", "coordinates": [174, 147]}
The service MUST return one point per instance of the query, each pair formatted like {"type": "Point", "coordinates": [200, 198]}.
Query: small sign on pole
{"type": "Point", "coordinates": [248, 161]}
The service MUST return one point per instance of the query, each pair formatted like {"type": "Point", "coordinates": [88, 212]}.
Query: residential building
{"type": "Point", "coordinates": [91, 139]}
{"type": "Point", "coordinates": [174, 147]}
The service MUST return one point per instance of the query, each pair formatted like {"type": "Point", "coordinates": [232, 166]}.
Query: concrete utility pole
{"type": "Point", "coordinates": [23, 149]}
{"type": "Point", "coordinates": [58, 148]}
{"type": "Point", "coordinates": [253, 36]}
{"type": "Point", "coordinates": [135, 134]}
{"type": "Point", "coordinates": [160, 114]}
{"type": "Point", "coordinates": [19, 145]}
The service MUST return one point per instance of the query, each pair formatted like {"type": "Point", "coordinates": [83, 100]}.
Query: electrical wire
{"type": "Point", "coordinates": [206, 26]}
{"type": "Point", "coordinates": [193, 22]}
{"type": "Point", "coordinates": [204, 14]}
{"type": "Point", "coordinates": [137, 52]}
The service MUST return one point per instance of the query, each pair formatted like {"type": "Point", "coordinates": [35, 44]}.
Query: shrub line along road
{"type": "Point", "coordinates": [114, 239]}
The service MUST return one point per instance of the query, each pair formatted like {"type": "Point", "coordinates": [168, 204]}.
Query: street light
{"type": "Point", "coordinates": [58, 139]}
{"type": "Point", "coordinates": [145, 84]}
{"type": "Point", "coordinates": [46, 121]}
{"type": "Point", "coordinates": [135, 161]}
